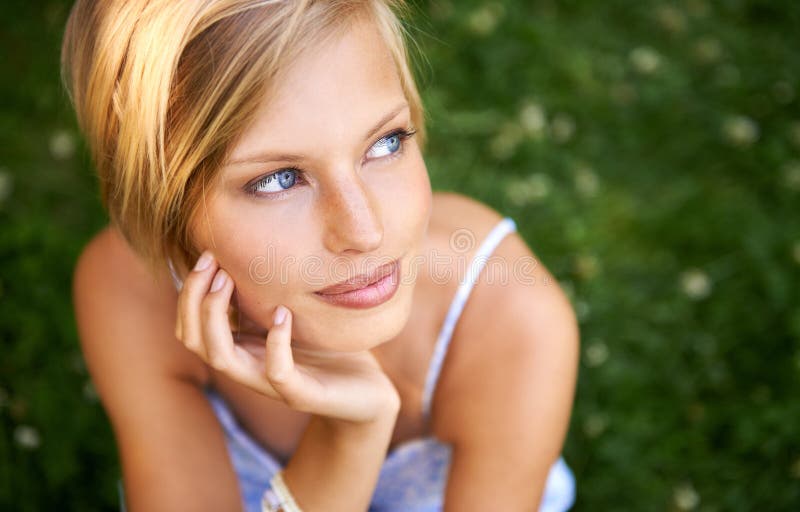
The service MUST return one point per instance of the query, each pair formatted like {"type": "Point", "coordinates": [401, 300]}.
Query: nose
{"type": "Point", "coordinates": [352, 217]}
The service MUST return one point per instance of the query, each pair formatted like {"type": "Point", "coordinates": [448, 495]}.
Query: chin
{"type": "Point", "coordinates": [328, 327]}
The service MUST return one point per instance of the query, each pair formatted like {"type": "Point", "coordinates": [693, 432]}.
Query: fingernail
{"type": "Point", "coordinates": [204, 261]}
{"type": "Point", "coordinates": [280, 315]}
{"type": "Point", "coordinates": [219, 280]}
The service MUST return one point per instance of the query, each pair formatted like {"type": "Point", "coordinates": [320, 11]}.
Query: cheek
{"type": "Point", "coordinates": [405, 198]}
{"type": "Point", "coordinates": [260, 254]}
{"type": "Point", "coordinates": [414, 199]}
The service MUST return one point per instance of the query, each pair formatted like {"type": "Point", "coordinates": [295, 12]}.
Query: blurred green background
{"type": "Point", "coordinates": [650, 154]}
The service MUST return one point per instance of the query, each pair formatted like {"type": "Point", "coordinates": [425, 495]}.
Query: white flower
{"type": "Point", "coordinates": [740, 130]}
{"type": "Point", "coordinates": [794, 133]}
{"type": "Point", "coordinates": [562, 127]}
{"type": "Point", "coordinates": [586, 266]}
{"type": "Point", "coordinates": [505, 142]}
{"type": "Point", "coordinates": [644, 59]}
{"type": "Point", "coordinates": [27, 437]}
{"type": "Point", "coordinates": [582, 310]}
{"type": "Point", "coordinates": [89, 391]}
{"type": "Point", "coordinates": [685, 497]}
{"type": "Point", "coordinates": [575, 229]}
{"type": "Point", "coordinates": [533, 188]}
{"type": "Point", "coordinates": [671, 18]}
{"type": "Point", "coordinates": [595, 425]}
{"type": "Point", "coordinates": [586, 182]}
{"type": "Point", "coordinates": [596, 353]}
{"type": "Point", "coordinates": [791, 174]}
{"type": "Point", "coordinates": [484, 19]}
{"type": "Point", "coordinates": [796, 252]}
{"type": "Point", "coordinates": [795, 469]}
{"type": "Point", "coordinates": [533, 119]}
{"type": "Point", "coordinates": [539, 185]}
{"type": "Point", "coordinates": [697, 8]}
{"type": "Point", "coordinates": [695, 284]}
{"type": "Point", "coordinates": [442, 9]}
{"type": "Point", "coordinates": [516, 193]}
{"type": "Point", "coordinates": [707, 50]}
{"type": "Point", "coordinates": [6, 185]}
{"type": "Point", "coordinates": [62, 145]}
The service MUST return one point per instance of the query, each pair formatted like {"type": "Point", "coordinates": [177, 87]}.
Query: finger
{"type": "Point", "coordinates": [279, 362]}
{"type": "Point", "coordinates": [194, 289]}
{"type": "Point", "coordinates": [251, 356]}
{"type": "Point", "coordinates": [215, 326]}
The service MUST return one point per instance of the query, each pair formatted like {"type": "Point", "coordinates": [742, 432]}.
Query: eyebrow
{"type": "Point", "coordinates": [287, 157]}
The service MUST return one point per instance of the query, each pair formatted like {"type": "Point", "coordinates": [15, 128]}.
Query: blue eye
{"type": "Point", "coordinates": [389, 144]}
{"type": "Point", "coordinates": [279, 181]}
{"type": "Point", "coordinates": [275, 182]}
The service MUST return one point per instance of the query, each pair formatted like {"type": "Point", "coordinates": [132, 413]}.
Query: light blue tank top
{"type": "Point", "coordinates": [414, 474]}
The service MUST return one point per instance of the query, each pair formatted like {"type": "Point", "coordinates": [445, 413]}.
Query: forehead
{"type": "Point", "coordinates": [334, 90]}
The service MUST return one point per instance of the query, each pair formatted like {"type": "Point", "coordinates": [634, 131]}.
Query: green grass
{"type": "Point", "coordinates": [650, 154]}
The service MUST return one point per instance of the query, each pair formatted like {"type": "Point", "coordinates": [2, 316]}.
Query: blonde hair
{"type": "Point", "coordinates": [162, 88]}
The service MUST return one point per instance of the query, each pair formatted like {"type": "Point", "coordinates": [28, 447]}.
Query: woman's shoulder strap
{"type": "Point", "coordinates": [500, 230]}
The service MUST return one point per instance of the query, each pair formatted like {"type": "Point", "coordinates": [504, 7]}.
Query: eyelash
{"type": "Point", "coordinates": [250, 188]}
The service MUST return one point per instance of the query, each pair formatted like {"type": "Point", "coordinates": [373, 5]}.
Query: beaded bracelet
{"type": "Point", "coordinates": [277, 497]}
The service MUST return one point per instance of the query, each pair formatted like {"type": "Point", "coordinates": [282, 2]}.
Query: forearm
{"type": "Point", "coordinates": [336, 465]}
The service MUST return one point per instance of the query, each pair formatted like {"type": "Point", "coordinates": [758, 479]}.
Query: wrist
{"type": "Point", "coordinates": [335, 454]}
{"type": "Point", "coordinates": [380, 420]}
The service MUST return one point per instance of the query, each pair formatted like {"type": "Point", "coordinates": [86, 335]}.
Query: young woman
{"type": "Point", "coordinates": [281, 309]}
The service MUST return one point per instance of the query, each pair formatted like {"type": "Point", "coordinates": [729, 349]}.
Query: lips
{"type": "Point", "coordinates": [359, 281]}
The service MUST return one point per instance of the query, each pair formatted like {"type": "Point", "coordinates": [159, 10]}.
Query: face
{"type": "Point", "coordinates": [324, 185]}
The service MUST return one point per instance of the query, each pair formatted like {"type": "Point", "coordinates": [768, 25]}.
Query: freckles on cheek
{"type": "Point", "coordinates": [406, 202]}
{"type": "Point", "coordinates": [418, 191]}
{"type": "Point", "coordinates": [235, 241]}
{"type": "Point", "coordinates": [264, 278]}
{"type": "Point", "coordinates": [261, 250]}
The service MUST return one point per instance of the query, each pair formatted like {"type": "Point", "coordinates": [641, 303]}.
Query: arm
{"type": "Point", "coordinates": [513, 377]}
{"type": "Point", "coordinates": [336, 465]}
{"type": "Point", "coordinates": [171, 446]}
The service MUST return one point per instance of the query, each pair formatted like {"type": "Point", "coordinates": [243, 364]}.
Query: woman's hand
{"type": "Point", "coordinates": [348, 386]}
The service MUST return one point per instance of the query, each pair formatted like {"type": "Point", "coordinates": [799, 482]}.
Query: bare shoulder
{"type": "Point", "coordinates": [516, 331]}
{"type": "Point", "coordinates": [148, 383]}
{"type": "Point", "coordinates": [111, 285]}
{"type": "Point", "coordinates": [457, 226]}
{"type": "Point", "coordinates": [453, 211]}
